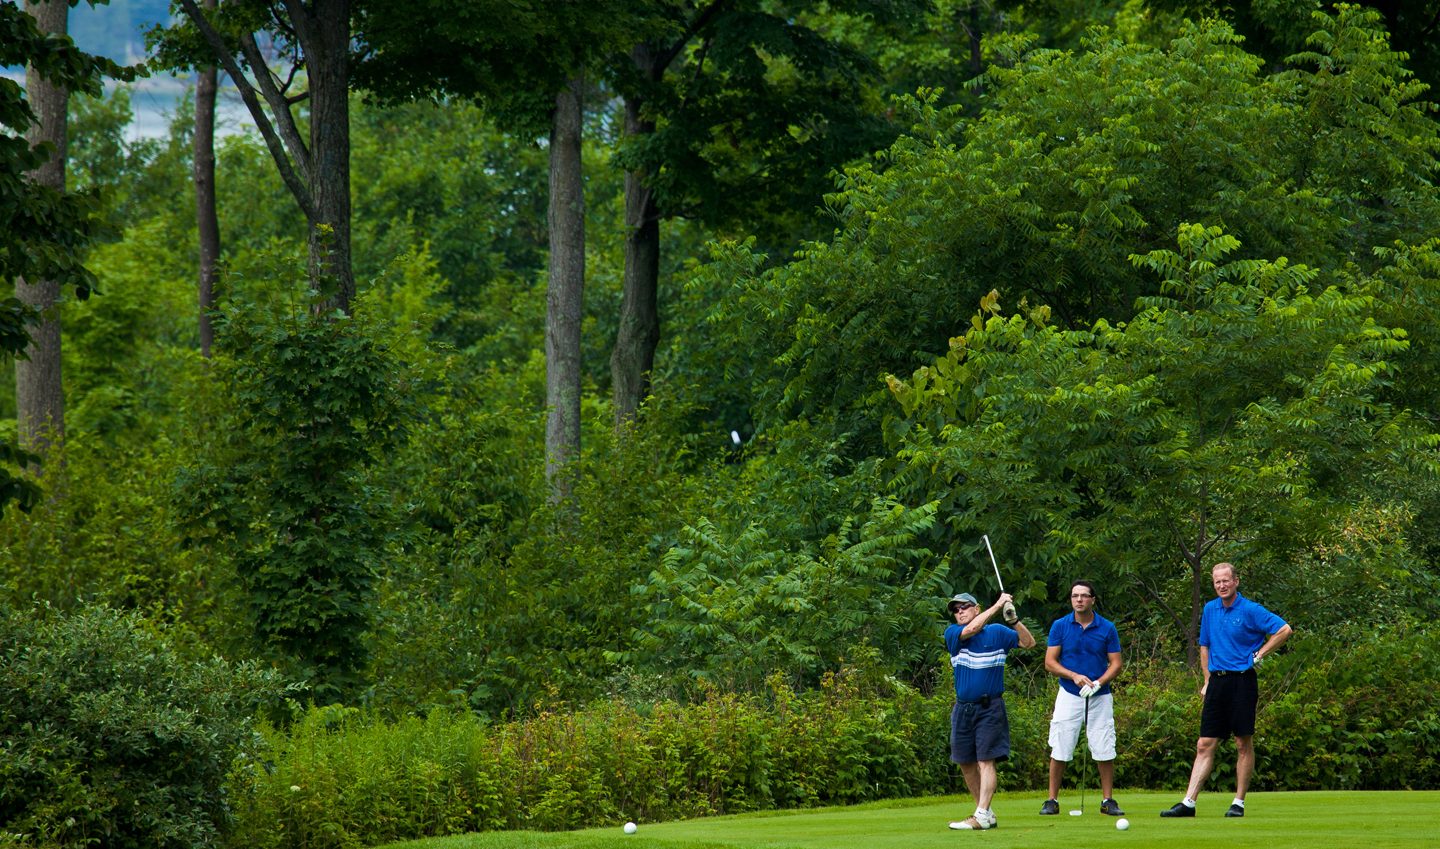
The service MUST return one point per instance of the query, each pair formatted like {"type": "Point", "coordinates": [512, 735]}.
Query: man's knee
{"type": "Point", "coordinates": [1206, 746]}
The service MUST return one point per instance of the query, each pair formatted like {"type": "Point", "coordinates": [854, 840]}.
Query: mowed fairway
{"type": "Point", "coordinates": [1388, 820]}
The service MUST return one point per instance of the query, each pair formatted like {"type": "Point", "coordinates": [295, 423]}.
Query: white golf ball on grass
{"type": "Point", "coordinates": [1122, 823]}
{"type": "Point", "coordinates": [630, 827]}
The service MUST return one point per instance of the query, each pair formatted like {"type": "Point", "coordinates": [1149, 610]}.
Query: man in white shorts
{"type": "Point", "coordinates": [1083, 651]}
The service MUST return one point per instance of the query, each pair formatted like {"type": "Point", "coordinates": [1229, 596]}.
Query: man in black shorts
{"type": "Point", "coordinates": [1235, 635]}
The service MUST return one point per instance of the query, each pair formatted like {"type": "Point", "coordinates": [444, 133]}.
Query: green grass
{"type": "Point", "coordinates": [1381, 820]}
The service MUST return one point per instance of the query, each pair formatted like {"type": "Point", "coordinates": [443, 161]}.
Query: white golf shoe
{"type": "Point", "coordinates": [975, 822]}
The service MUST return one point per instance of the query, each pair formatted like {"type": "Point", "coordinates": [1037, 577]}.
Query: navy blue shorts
{"type": "Point", "coordinates": [1230, 701]}
{"type": "Point", "coordinates": [979, 732]}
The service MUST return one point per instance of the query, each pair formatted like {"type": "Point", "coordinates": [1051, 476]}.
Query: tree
{"type": "Point", "coordinates": [733, 109]}
{"type": "Point", "coordinates": [206, 219]}
{"type": "Point", "coordinates": [1231, 418]}
{"type": "Point", "coordinates": [284, 486]}
{"type": "Point", "coordinates": [44, 228]}
{"type": "Point", "coordinates": [564, 297]}
{"type": "Point", "coordinates": [39, 396]}
{"type": "Point", "coordinates": [530, 71]}
{"type": "Point", "coordinates": [316, 40]}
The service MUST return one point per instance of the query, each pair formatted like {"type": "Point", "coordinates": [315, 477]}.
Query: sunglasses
{"type": "Point", "coordinates": [956, 608]}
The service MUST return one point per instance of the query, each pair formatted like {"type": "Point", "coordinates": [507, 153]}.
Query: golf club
{"type": "Point", "coordinates": [1011, 617]}
{"type": "Point", "coordinates": [1080, 779]}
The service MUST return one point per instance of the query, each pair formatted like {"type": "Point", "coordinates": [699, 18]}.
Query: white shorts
{"type": "Point", "coordinates": [1065, 725]}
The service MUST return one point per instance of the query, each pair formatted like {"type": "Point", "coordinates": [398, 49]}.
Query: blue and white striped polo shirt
{"type": "Point", "coordinates": [979, 662]}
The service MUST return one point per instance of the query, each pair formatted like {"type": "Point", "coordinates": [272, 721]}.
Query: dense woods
{"type": "Point", "coordinates": [532, 354]}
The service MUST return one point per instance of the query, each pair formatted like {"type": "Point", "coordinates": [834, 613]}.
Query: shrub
{"type": "Point", "coordinates": [109, 738]}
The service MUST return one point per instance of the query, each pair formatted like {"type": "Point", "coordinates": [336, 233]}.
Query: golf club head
{"type": "Point", "coordinates": [1077, 813]}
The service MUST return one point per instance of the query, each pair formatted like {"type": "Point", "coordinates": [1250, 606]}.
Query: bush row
{"type": "Point", "coordinates": [1363, 717]}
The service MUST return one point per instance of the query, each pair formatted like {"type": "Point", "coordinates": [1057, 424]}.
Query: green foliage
{"type": "Point", "coordinates": [110, 738]}
{"type": "Point", "coordinates": [107, 534]}
{"type": "Point", "coordinates": [409, 193]}
{"type": "Point", "coordinates": [507, 595]}
{"type": "Point", "coordinates": [1115, 450]}
{"type": "Point", "coordinates": [511, 57]}
{"type": "Point", "coordinates": [758, 105]}
{"type": "Point", "coordinates": [1080, 159]}
{"type": "Point", "coordinates": [468, 492]}
{"type": "Point", "coordinates": [283, 483]}
{"type": "Point", "coordinates": [736, 609]}
{"type": "Point", "coordinates": [1342, 718]}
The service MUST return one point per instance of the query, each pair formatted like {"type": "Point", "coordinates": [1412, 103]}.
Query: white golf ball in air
{"type": "Point", "coordinates": [1122, 823]}
{"type": "Point", "coordinates": [630, 827]}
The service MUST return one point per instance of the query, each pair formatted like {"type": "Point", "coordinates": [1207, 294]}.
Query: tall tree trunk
{"type": "Point", "coordinates": [39, 396]}
{"type": "Point", "coordinates": [206, 219]}
{"type": "Point", "coordinates": [564, 297]}
{"type": "Point", "coordinates": [327, 51]}
{"type": "Point", "coordinates": [639, 332]}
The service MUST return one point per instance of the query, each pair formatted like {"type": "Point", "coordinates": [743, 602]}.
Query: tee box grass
{"type": "Point", "coordinates": [1301, 820]}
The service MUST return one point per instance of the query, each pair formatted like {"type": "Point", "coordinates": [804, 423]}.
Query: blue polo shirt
{"type": "Point", "coordinates": [1084, 649]}
{"type": "Point", "coordinates": [1234, 633]}
{"type": "Point", "coordinates": [979, 662]}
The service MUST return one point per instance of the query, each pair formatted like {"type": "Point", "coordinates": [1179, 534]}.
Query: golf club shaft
{"type": "Point", "coordinates": [1085, 726]}
{"type": "Point", "coordinates": [1009, 613]}
{"type": "Point", "coordinates": [986, 537]}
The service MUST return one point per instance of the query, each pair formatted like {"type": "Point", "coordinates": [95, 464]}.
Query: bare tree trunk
{"type": "Point", "coordinates": [327, 51]}
{"type": "Point", "coordinates": [206, 219]}
{"type": "Point", "coordinates": [639, 332]}
{"type": "Point", "coordinates": [564, 297]}
{"type": "Point", "coordinates": [318, 173]}
{"type": "Point", "coordinates": [39, 395]}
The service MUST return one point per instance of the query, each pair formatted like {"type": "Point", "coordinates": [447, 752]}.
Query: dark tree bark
{"type": "Point", "coordinates": [39, 396]}
{"type": "Point", "coordinates": [634, 355]}
{"type": "Point", "coordinates": [564, 297]}
{"type": "Point", "coordinates": [206, 219]}
{"type": "Point", "coordinates": [325, 35]}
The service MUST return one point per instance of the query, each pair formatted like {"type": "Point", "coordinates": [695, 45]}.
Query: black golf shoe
{"type": "Point", "coordinates": [1108, 806]}
{"type": "Point", "coordinates": [1050, 808]}
{"type": "Point", "coordinates": [1179, 809]}
{"type": "Point", "coordinates": [1235, 811]}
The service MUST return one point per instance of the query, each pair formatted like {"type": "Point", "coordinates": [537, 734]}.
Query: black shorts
{"type": "Point", "coordinates": [1230, 700]}
{"type": "Point", "coordinates": [979, 732]}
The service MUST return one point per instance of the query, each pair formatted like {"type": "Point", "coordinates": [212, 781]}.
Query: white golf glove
{"type": "Point", "coordinates": [1087, 691]}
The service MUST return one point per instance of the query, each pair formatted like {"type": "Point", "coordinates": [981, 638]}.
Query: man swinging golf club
{"type": "Point", "coordinates": [1083, 651]}
{"type": "Point", "coordinates": [979, 725]}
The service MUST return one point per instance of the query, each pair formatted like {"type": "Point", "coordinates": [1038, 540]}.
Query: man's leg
{"type": "Point", "coordinates": [1204, 763]}
{"type": "Point", "coordinates": [971, 771]}
{"type": "Point", "coordinates": [1065, 719]}
{"type": "Point", "coordinates": [989, 781]}
{"type": "Point", "coordinates": [1244, 764]}
{"type": "Point", "coordinates": [975, 782]}
{"type": "Point", "coordinates": [1100, 737]}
